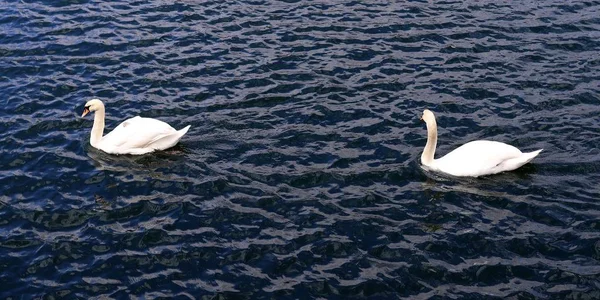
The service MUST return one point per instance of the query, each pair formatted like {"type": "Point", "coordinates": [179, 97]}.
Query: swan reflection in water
{"type": "Point", "coordinates": [130, 164]}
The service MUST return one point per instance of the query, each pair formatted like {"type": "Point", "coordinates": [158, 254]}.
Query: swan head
{"type": "Point", "coordinates": [92, 105]}
{"type": "Point", "coordinates": [428, 117]}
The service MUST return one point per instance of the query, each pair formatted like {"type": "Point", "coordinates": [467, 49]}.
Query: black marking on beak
{"type": "Point", "coordinates": [86, 110]}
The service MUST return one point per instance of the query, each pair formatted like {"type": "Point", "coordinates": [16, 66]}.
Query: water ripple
{"type": "Point", "coordinates": [300, 175]}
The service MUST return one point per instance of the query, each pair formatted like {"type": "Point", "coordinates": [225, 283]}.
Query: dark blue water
{"type": "Point", "coordinates": [300, 175]}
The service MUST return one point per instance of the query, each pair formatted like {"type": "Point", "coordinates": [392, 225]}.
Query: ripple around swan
{"type": "Point", "coordinates": [299, 177]}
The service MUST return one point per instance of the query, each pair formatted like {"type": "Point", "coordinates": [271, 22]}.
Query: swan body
{"type": "Point", "coordinates": [136, 135]}
{"type": "Point", "coordinates": [473, 159]}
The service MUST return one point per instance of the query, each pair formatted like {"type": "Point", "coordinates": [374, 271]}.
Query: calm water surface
{"type": "Point", "coordinates": [300, 175]}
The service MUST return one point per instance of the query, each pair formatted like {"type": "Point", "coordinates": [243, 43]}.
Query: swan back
{"type": "Point", "coordinates": [140, 135]}
{"type": "Point", "coordinates": [477, 158]}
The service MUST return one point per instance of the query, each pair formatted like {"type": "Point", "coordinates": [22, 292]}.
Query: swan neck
{"type": "Point", "coordinates": [98, 128]}
{"type": "Point", "coordinates": [429, 151]}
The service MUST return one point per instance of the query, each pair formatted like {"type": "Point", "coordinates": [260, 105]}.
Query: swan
{"type": "Point", "coordinates": [136, 135]}
{"type": "Point", "coordinates": [473, 159]}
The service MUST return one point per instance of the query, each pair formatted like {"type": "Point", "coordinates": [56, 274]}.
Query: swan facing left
{"type": "Point", "coordinates": [135, 136]}
{"type": "Point", "coordinates": [473, 159]}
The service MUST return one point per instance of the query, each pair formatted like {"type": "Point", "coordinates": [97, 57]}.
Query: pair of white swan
{"type": "Point", "coordinates": [143, 135]}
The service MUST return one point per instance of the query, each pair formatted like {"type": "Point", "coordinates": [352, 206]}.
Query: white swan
{"type": "Point", "coordinates": [476, 158]}
{"type": "Point", "coordinates": [134, 136]}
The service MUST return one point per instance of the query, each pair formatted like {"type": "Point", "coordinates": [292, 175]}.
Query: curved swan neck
{"type": "Point", "coordinates": [98, 128]}
{"type": "Point", "coordinates": [429, 151]}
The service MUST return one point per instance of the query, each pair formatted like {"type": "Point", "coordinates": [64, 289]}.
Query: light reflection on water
{"type": "Point", "coordinates": [300, 176]}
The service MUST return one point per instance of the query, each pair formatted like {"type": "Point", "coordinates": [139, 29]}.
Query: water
{"type": "Point", "coordinates": [300, 175]}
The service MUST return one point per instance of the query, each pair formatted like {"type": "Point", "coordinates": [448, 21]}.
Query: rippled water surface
{"type": "Point", "coordinates": [300, 176]}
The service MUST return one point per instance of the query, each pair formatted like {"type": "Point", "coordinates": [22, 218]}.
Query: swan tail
{"type": "Point", "coordinates": [517, 162]}
{"type": "Point", "coordinates": [530, 155]}
{"type": "Point", "coordinates": [185, 129]}
{"type": "Point", "coordinates": [170, 140]}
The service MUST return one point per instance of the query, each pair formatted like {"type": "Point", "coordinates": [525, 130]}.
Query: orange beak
{"type": "Point", "coordinates": [85, 112]}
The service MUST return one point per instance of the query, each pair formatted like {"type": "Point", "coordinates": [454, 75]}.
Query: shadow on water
{"type": "Point", "coordinates": [489, 186]}
{"type": "Point", "coordinates": [147, 162]}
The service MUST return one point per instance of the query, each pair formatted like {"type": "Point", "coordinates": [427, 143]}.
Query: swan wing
{"type": "Point", "coordinates": [135, 133]}
{"type": "Point", "coordinates": [478, 158]}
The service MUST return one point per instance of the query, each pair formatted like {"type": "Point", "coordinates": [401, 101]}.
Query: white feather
{"type": "Point", "coordinates": [136, 135]}
{"type": "Point", "coordinates": [476, 158]}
